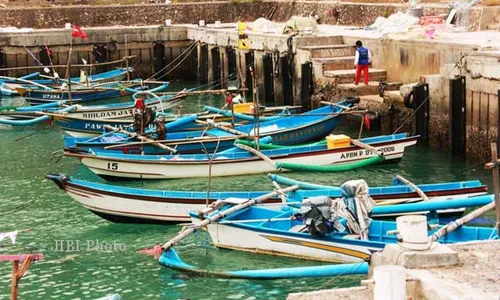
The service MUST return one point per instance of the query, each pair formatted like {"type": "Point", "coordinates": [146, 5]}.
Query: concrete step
{"type": "Point", "coordinates": [370, 89]}
{"type": "Point", "coordinates": [335, 63]}
{"type": "Point", "coordinates": [307, 41]}
{"type": "Point", "coordinates": [328, 51]}
{"type": "Point", "coordinates": [347, 76]}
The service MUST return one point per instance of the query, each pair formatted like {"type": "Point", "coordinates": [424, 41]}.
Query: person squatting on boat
{"type": "Point", "coordinates": [322, 215]}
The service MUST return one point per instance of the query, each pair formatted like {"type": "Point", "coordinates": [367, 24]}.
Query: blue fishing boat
{"type": "Point", "coordinates": [279, 232]}
{"type": "Point", "coordinates": [135, 205]}
{"type": "Point", "coordinates": [309, 126]}
{"type": "Point", "coordinates": [79, 95]}
{"type": "Point", "coordinates": [55, 111]}
{"type": "Point", "coordinates": [90, 124]}
{"type": "Point", "coordinates": [8, 86]}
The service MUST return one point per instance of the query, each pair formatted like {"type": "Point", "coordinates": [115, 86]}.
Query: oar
{"type": "Point", "coordinates": [452, 226]}
{"type": "Point", "coordinates": [225, 213]}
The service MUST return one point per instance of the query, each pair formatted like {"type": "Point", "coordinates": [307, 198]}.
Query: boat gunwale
{"type": "Point", "coordinates": [110, 157]}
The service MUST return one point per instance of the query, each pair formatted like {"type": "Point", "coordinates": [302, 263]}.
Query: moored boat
{"type": "Point", "coordinates": [9, 86]}
{"type": "Point", "coordinates": [234, 161]}
{"type": "Point", "coordinates": [306, 127]}
{"type": "Point", "coordinates": [134, 205]}
{"type": "Point", "coordinates": [276, 232]}
{"type": "Point", "coordinates": [80, 95]}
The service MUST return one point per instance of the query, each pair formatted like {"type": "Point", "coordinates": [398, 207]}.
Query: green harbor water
{"type": "Point", "coordinates": [28, 201]}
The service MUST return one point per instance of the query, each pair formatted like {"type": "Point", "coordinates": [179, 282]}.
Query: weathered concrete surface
{"type": "Point", "coordinates": [438, 255]}
{"type": "Point", "coordinates": [330, 12]}
{"type": "Point", "coordinates": [354, 293]}
{"type": "Point", "coordinates": [482, 76]}
{"type": "Point", "coordinates": [476, 278]}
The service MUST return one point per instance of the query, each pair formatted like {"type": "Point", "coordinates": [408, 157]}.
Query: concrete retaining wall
{"type": "Point", "coordinates": [330, 12]}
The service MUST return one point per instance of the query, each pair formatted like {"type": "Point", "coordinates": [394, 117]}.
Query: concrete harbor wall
{"type": "Point", "coordinates": [330, 12]}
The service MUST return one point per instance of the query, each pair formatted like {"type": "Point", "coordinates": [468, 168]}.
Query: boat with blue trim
{"type": "Point", "coordinates": [235, 161]}
{"type": "Point", "coordinates": [135, 205]}
{"type": "Point", "coordinates": [9, 86]}
{"type": "Point", "coordinates": [297, 129]}
{"type": "Point", "coordinates": [262, 230]}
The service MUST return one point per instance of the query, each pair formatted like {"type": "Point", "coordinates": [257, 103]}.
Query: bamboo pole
{"type": "Point", "coordinates": [361, 126]}
{"type": "Point", "coordinates": [68, 73]}
{"type": "Point", "coordinates": [127, 58]}
{"type": "Point", "coordinates": [367, 147]}
{"type": "Point", "coordinates": [336, 104]}
{"type": "Point", "coordinates": [257, 153]}
{"type": "Point", "coordinates": [140, 137]}
{"type": "Point", "coordinates": [493, 165]}
{"type": "Point", "coordinates": [170, 142]}
{"type": "Point", "coordinates": [452, 226]}
{"type": "Point", "coordinates": [278, 188]}
{"type": "Point", "coordinates": [27, 81]}
{"type": "Point", "coordinates": [413, 186]}
{"type": "Point", "coordinates": [255, 220]}
{"type": "Point", "coordinates": [223, 214]}
{"type": "Point", "coordinates": [221, 127]}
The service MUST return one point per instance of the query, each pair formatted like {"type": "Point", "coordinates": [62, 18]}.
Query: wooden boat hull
{"type": "Point", "coordinates": [281, 238]}
{"type": "Point", "coordinates": [77, 118]}
{"type": "Point", "coordinates": [158, 167]}
{"type": "Point", "coordinates": [36, 97]}
{"type": "Point", "coordinates": [81, 126]}
{"type": "Point", "coordinates": [133, 205]}
{"type": "Point", "coordinates": [284, 131]}
{"type": "Point", "coordinates": [9, 87]}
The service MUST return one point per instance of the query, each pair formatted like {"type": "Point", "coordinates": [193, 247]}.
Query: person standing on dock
{"type": "Point", "coordinates": [362, 60]}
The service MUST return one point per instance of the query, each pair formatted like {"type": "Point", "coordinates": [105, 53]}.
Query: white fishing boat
{"type": "Point", "coordinates": [235, 161]}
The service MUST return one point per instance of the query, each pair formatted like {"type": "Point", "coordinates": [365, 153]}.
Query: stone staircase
{"type": "Point", "coordinates": [334, 65]}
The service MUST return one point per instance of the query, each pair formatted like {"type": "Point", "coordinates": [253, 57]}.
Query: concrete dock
{"type": "Point", "coordinates": [476, 277]}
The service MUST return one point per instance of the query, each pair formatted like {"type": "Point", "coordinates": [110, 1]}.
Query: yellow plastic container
{"type": "Point", "coordinates": [243, 108]}
{"type": "Point", "coordinates": [335, 141]}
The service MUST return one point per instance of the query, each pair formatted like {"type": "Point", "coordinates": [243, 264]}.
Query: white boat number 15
{"type": "Point", "coordinates": [112, 166]}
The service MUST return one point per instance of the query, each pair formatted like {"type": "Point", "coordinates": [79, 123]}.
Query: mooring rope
{"type": "Point", "coordinates": [189, 49]}
{"type": "Point", "coordinates": [17, 208]}
{"type": "Point", "coordinates": [411, 115]}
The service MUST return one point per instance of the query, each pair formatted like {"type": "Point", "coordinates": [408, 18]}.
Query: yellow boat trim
{"type": "Point", "coordinates": [341, 250]}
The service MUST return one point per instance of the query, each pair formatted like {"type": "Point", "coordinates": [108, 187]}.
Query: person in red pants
{"type": "Point", "coordinates": [361, 61]}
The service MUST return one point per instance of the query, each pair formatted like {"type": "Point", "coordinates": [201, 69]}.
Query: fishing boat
{"type": "Point", "coordinates": [407, 193]}
{"type": "Point", "coordinates": [92, 124]}
{"type": "Point", "coordinates": [9, 86]}
{"type": "Point", "coordinates": [134, 205]}
{"type": "Point", "coordinates": [309, 126]}
{"type": "Point", "coordinates": [78, 95]}
{"type": "Point", "coordinates": [231, 162]}
{"type": "Point", "coordinates": [30, 115]}
{"type": "Point", "coordinates": [276, 232]}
